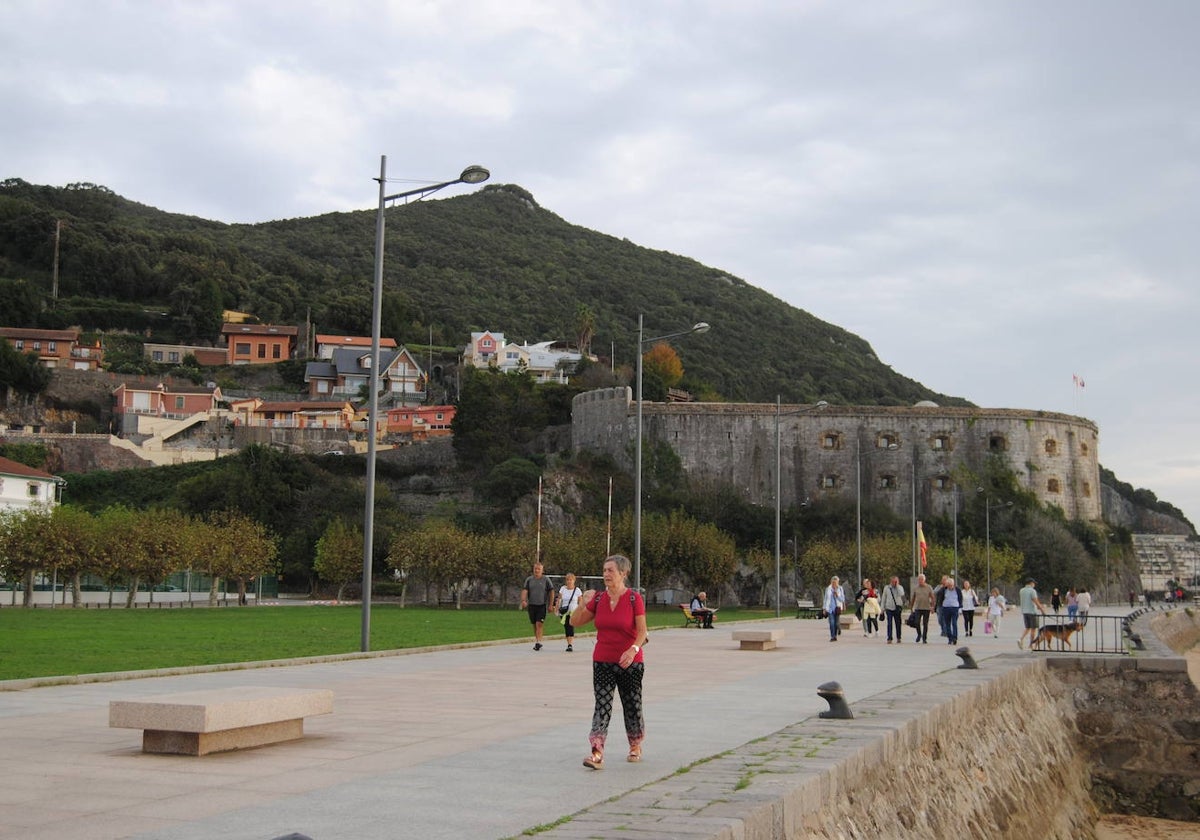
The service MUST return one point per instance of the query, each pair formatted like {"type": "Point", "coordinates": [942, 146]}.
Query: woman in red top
{"type": "Point", "coordinates": [620, 616]}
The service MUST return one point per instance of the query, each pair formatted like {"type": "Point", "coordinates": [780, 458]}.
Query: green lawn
{"type": "Point", "coordinates": [43, 642]}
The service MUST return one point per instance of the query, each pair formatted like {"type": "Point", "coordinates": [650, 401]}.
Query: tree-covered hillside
{"type": "Point", "coordinates": [492, 259]}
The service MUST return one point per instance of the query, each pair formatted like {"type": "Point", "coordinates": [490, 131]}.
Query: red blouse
{"type": "Point", "coordinates": [616, 628]}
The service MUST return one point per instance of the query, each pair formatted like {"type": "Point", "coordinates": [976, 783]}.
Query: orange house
{"type": "Point", "coordinates": [56, 348]}
{"type": "Point", "coordinates": [165, 399]}
{"type": "Point", "coordinates": [421, 422]}
{"type": "Point", "coordinates": [258, 344]}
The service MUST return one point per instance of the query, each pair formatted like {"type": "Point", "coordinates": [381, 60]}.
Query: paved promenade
{"type": "Point", "coordinates": [480, 742]}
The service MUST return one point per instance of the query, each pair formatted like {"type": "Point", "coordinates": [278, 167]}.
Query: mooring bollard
{"type": "Point", "coordinates": [968, 661]}
{"type": "Point", "coordinates": [833, 694]}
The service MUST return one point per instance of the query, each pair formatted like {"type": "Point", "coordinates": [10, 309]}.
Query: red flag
{"type": "Point", "coordinates": [921, 543]}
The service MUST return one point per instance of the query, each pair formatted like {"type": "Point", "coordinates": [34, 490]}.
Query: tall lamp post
{"type": "Point", "coordinates": [778, 486]}
{"type": "Point", "coordinates": [470, 175]}
{"type": "Point", "coordinates": [1106, 535]}
{"type": "Point", "coordinates": [987, 521]}
{"type": "Point", "coordinates": [858, 499]}
{"type": "Point", "coordinates": [701, 327]}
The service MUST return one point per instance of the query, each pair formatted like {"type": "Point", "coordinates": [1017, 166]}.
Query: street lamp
{"type": "Point", "coordinates": [891, 447]}
{"type": "Point", "coordinates": [987, 520]}
{"type": "Point", "coordinates": [470, 175]}
{"type": "Point", "coordinates": [778, 489]}
{"type": "Point", "coordinates": [1106, 536]}
{"type": "Point", "coordinates": [701, 327]}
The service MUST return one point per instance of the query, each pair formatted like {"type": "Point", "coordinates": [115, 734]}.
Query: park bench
{"type": "Point", "coordinates": [758, 639]}
{"type": "Point", "coordinates": [689, 620]}
{"type": "Point", "coordinates": [806, 608]}
{"type": "Point", "coordinates": [218, 720]}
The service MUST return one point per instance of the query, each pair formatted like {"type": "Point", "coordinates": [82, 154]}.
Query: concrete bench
{"type": "Point", "coordinates": [758, 639]}
{"type": "Point", "coordinates": [203, 722]}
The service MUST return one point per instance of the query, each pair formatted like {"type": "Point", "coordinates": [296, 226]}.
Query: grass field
{"type": "Point", "coordinates": [44, 643]}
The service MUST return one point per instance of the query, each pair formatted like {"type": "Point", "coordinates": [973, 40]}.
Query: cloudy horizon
{"type": "Point", "coordinates": [995, 196]}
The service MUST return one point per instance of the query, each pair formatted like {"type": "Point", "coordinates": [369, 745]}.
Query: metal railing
{"type": "Point", "coordinates": [1084, 634]}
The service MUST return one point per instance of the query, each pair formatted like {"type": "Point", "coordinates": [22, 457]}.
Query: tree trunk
{"type": "Point", "coordinates": [132, 596]}
{"type": "Point", "coordinates": [212, 591]}
{"type": "Point", "coordinates": [27, 598]}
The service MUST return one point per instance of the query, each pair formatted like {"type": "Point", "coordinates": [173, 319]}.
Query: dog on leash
{"type": "Point", "coordinates": [1048, 632]}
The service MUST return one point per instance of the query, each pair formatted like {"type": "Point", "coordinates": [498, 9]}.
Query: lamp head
{"type": "Point", "coordinates": [702, 327]}
{"type": "Point", "coordinates": [474, 174]}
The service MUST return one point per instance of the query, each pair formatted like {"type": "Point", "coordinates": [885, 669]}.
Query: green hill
{"type": "Point", "coordinates": [492, 259]}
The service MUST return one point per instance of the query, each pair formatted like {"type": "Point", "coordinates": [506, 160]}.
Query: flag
{"type": "Point", "coordinates": [921, 543]}
{"type": "Point", "coordinates": [1078, 380]}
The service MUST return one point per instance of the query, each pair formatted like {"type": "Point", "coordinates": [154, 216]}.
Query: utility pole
{"type": "Point", "coordinates": [57, 237]}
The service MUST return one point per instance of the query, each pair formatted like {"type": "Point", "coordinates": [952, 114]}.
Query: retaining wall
{"type": "Point", "coordinates": [1025, 746]}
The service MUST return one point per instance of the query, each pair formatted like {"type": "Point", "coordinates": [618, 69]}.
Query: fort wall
{"type": "Point", "coordinates": [908, 456]}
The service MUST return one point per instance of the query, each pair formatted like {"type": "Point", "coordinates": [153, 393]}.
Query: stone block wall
{"type": "Point", "coordinates": [901, 449]}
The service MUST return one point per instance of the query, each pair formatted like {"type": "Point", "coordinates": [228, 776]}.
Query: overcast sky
{"type": "Point", "coordinates": [998, 196]}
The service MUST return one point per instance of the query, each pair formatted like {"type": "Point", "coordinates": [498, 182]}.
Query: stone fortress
{"type": "Point", "coordinates": [909, 455]}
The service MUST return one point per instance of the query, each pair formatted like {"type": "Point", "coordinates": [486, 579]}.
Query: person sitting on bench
{"type": "Point", "coordinates": [701, 611]}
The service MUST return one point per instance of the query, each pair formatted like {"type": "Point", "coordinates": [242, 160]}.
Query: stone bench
{"type": "Point", "coordinates": [203, 722]}
{"type": "Point", "coordinates": [758, 639]}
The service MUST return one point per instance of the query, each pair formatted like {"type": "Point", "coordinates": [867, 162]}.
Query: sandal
{"type": "Point", "coordinates": [635, 755]}
{"type": "Point", "coordinates": [594, 761]}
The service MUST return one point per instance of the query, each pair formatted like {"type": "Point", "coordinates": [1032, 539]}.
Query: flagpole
{"type": "Point", "coordinates": [538, 554]}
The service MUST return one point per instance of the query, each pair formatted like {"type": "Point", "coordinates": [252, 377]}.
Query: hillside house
{"type": "Point", "coordinates": [300, 414]}
{"type": "Point", "coordinates": [56, 348]}
{"type": "Point", "coordinates": [348, 373]}
{"type": "Point", "coordinates": [174, 354]}
{"type": "Point", "coordinates": [258, 344]}
{"type": "Point", "coordinates": [546, 361]}
{"type": "Point", "coordinates": [326, 344]}
{"type": "Point", "coordinates": [23, 487]}
{"type": "Point", "coordinates": [484, 349]}
{"type": "Point", "coordinates": [421, 422]}
{"type": "Point", "coordinates": [165, 399]}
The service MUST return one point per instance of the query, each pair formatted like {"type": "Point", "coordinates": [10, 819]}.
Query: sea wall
{"type": "Point", "coordinates": [1024, 746]}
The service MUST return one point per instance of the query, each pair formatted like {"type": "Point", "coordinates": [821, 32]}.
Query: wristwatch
{"type": "Point", "coordinates": [636, 650]}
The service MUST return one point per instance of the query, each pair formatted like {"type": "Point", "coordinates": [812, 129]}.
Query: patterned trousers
{"type": "Point", "coordinates": [609, 678]}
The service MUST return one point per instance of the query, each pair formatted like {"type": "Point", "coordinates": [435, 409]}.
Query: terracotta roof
{"type": "Point", "coordinates": [258, 329]}
{"type": "Point", "coordinates": [353, 340]}
{"type": "Point", "coordinates": [39, 335]}
{"type": "Point", "coordinates": [8, 467]}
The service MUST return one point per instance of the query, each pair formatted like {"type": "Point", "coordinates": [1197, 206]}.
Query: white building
{"type": "Point", "coordinates": [23, 487]}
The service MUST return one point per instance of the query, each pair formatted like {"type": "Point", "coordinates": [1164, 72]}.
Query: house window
{"type": "Point", "coordinates": [829, 481]}
{"type": "Point", "coordinates": [19, 343]}
{"type": "Point", "coordinates": [887, 482]}
{"type": "Point", "coordinates": [322, 386]}
{"type": "Point", "coordinates": [32, 490]}
{"type": "Point", "coordinates": [173, 357]}
{"type": "Point", "coordinates": [997, 443]}
{"type": "Point", "coordinates": [942, 482]}
{"type": "Point", "coordinates": [1083, 449]}
{"type": "Point", "coordinates": [262, 351]}
{"type": "Point", "coordinates": [52, 346]}
{"type": "Point", "coordinates": [37, 346]}
{"type": "Point", "coordinates": [887, 440]}
{"type": "Point", "coordinates": [179, 403]}
{"type": "Point", "coordinates": [1051, 446]}
{"type": "Point", "coordinates": [275, 351]}
{"type": "Point", "coordinates": [941, 442]}
{"type": "Point", "coordinates": [242, 348]}
{"type": "Point", "coordinates": [831, 440]}
{"type": "Point", "coordinates": [1052, 486]}
{"type": "Point", "coordinates": [439, 416]}
{"type": "Point", "coordinates": [156, 355]}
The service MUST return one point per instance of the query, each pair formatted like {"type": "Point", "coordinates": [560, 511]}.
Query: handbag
{"type": "Point", "coordinates": [911, 621]}
{"type": "Point", "coordinates": [987, 627]}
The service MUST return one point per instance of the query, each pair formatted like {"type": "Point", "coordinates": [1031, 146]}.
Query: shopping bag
{"type": "Point", "coordinates": [987, 627]}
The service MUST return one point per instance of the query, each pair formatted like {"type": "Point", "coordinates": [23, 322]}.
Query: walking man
{"type": "Point", "coordinates": [922, 603]}
{"type": "Point", "coordinates": [1030, 607]}
{"type": "Point", "coordinates": [892, 602]}
{"type": "Point", "coordinates": [536, 594]}
{"type": "Point", "coordinates": [951, 604]}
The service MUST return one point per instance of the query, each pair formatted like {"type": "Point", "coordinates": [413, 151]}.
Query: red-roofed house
{"type": "Point", "coordinates": [326, 344]}
{"type": "Point", "coordinates": [258, 344]}
{"type": "Point", "coordinates": [300, 414]}
{"type": "Point", "coordinates": [56, 348]}
{"type": "Point", "coordinates": [24, 487]}
{"type": "Point", "coordinates": [422, 422]}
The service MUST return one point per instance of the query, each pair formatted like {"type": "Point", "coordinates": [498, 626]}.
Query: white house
{"type": "Point", "coordinates": [24, 487]}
